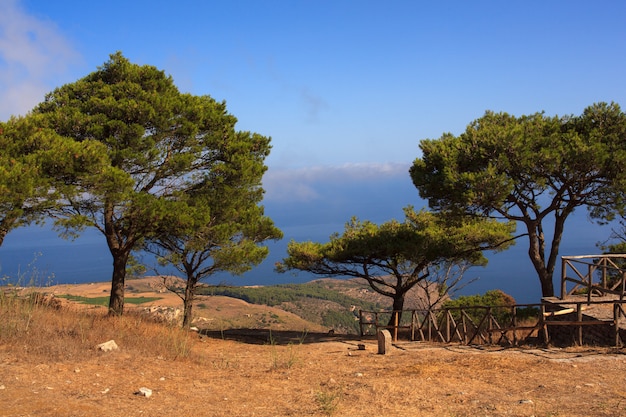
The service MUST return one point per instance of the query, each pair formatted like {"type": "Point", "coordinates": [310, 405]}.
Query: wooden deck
{"type": "Point", "coordinates": [587, 319]}
{"type": "Point", "coordinates": [601, 307]}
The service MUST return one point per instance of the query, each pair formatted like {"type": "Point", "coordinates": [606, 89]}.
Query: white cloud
{"type": "Point", "coordinates": [301, 184]}
{"type": "Point", "coordinates": [33, 55]}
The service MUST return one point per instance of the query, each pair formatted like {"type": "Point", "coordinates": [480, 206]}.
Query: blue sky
{"type": "Point", "coordinates": [332, 82]}
{"type": "Point", "coordinates": [346, 89]}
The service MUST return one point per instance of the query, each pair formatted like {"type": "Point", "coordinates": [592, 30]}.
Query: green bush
{"type": "Point", "coordinates": [475, 306]}
{"type": "Point", "coordinates": [344, 321]}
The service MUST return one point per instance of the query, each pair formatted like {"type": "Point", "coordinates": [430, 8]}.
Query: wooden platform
{"type": "Point", "coordinates": [600, 308]}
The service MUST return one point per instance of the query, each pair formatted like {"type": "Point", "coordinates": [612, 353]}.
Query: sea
{"type": "Point", "coordinates": [36, 255]}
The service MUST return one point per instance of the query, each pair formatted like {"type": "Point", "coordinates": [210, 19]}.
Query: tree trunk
{"type": "Point", "coordinates": [398, 305]}
{"type": "Point", "coordinates": [116, 301]}
{"type": "Point", "coordinates": [190, 294]}
{"type": "Point", "coordinates": [536, 252]}
{"type": "Point", "coordinates": [547, 286]}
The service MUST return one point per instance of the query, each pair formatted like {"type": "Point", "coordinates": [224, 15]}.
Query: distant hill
{"type": "Point", "coordinates": [332, 303]}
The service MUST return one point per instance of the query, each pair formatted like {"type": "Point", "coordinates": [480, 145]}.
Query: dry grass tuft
{"type": "Point", "coordinates": [56, 334]}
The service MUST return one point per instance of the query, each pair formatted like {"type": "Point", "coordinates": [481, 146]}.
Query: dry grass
{"type": "Point", "coordinates": [60, 334]}
{"type": "Point", "coordinates": [49, 366]}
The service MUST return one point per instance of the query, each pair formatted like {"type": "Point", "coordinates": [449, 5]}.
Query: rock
{"type": "Point", "coordinates": [164, 314]}
{"type": "Point", "coordinates": [145, 392]}
{"type": "Point", "coordinates": [361, 346]}
{"type": "Point", "coordinates": [108, 346]}
{"type": "Point", "coordinates": [384, 342]}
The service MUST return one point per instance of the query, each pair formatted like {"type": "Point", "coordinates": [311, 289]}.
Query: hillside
{"type": "Point", "coordinates": [331, 303]}
{"type": "Point", "coordinates": [320, 305]}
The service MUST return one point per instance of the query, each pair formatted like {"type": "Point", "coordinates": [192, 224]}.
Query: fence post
{"type": "Point", "coordinates": [616, 323]}
{"type": "Point", "coordinates": [489, 317]}
{"type": "Point", "coordinates": [361, 322]}
{"type": "Point", "coordinates": [430, 324]}
{"type": "Point", "coordinates": [544, 325]}
{"type": "Point", "coordinates": [579, 318]}
{"type": "Point", "coordinates": [563, 275]}
{"type": "Point", "coordinates": [395, 325]}
{"type": "Point", "coordinates": [514, 324]}
{"type": "Point", "coordinates": [413, 318]}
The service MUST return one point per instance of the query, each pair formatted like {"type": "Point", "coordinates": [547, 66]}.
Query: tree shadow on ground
{"type": "Point", "coordinates": [277, 337]}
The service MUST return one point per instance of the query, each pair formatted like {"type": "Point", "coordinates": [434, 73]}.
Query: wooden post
{"type": "Point", "coordinates": [376, 321]}
{"type": "Point", "coordinates": [616, 314]}
{"type": "Point", "coordinates": [579, 318]}
{"type": "Point", "coordinates": [563, 275]}
{"type": "Point", "coordinates": [361, 322]}
{"type": "Point", "coordinates": [489, 317]}
{"type": "Point", "coordinates": [413, 318]}
{"type": "Point", "coordinates": [448, 327]}
{"type": "Point", "coordinates": [514, 324]}
{"type": "Point", "coordinates": [395, 325]}
{"type": "Point", "coordinates": [544, 326]}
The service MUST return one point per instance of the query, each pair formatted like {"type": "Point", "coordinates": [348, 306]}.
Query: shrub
{"type": "Point", "coordinates": [475, 306]}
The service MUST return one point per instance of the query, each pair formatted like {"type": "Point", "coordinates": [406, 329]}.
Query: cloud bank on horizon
{"type": "Point", "coordinates": [303, 184]}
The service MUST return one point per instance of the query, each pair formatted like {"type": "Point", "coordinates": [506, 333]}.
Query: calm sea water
{"type": "Point", "coordinates": [37, 254]}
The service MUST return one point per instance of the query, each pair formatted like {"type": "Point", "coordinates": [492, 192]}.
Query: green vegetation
{"type": "Point", "coordinates": [343, 320]}
{"type": "Point", "coordinates": [498, 300]}
{"type": "Point", "coordinates": [534, 170]}
{"type": "Point", "coordinates": [274, 295]}
{"type": "Point", "coordinates": [37, 166]}
{"type": "Point", "coordinates": [104, 301]}
{"type": "Point", "coordinates": [144, 164]}
{"type": "Point", "coordinates": [395, 256]}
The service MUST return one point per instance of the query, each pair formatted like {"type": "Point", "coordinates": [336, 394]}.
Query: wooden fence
{"type": "Point", "coordinates": [504, 325]}
{"type": "Point", "coordinates": [593, 275]}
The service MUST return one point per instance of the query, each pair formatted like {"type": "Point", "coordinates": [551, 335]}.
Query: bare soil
{"type": "Point", "coordinates": [299, 371]}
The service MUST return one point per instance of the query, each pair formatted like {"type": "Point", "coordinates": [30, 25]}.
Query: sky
{"type": "Point", "coordinates": [345, 89]}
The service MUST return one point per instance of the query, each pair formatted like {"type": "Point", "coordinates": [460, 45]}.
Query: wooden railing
{"type": "Point", "coordinates": [583, 327]}
{"type": "Point", "coordinates": [593, 274]}
{"type": "Point", "coordinates": [464, 325]}
{"type": "Point", "coordinates": [504, 325]}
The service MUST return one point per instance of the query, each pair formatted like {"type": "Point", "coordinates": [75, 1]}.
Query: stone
{"type": "Point", "coordinates": [384, 342]}
{"type": "Point", "coordinates": [165, 314]}
{"type": "Point", "coordinates": [108, 346]}
{"type": "Point", "coordinates": [143, 391]}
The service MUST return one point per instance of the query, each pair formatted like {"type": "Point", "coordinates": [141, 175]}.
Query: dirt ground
{"type": "Point", "coordinates": [295, 373]}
